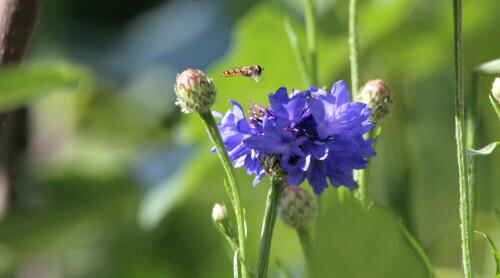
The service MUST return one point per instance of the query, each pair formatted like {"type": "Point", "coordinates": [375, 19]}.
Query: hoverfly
{"type": "Point", "coordinates": [253, 72]}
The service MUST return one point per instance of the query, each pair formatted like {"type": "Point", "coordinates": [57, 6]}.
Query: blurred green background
{"type": "Point", "coordinates": [117, 183]}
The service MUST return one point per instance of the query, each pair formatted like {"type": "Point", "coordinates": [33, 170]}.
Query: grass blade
{"type": "Point", "coordinates": [491, 67]}
{"type": "Point", "coordinates": [486, 150]}
{"type": "Point", "coordinates": [419, 249]}
{"type": "Point", "coordinates": [494, 250]}
{"type": "Point", "coordinates": [284, 272]}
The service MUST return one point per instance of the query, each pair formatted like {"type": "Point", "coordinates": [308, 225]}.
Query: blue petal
{"type": "Point", "coordinates": [237, 110]}
{"type": "Point", "coordinates": [264, 144]}
{"type": "Point", "coordinates": [217, 114]}
{"type": "Point", "coordinates": [317, 91]}
{"type": "Point", "coordinates": [258, 178]}
{"type": "Point", "coordinates": [295, 177]}
{"type": "Point", "coordinates": [341, 93]}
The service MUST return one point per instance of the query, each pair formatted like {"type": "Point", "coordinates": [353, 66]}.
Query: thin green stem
{"type": "Point", "coordinates": [270, 215]}
{"type": "Point", "coordinates": [310, 14]}
{"type": "Point", "coordinates": [228, 233]}
{"type": "Point", "coordinates": [233, 187]}
{"type": "Point", "coordinates": [307, 244]}
{"type": "Point", "coordinates": [465, 210]}
{"type": "Point", "coordinates": [472, 119]}
{"type": "Point", "coordinates": [362, 175]}
{"type": "Point", "coordinates": [354, 46]}
{"type": "Point", "coordinates": [299, 55]}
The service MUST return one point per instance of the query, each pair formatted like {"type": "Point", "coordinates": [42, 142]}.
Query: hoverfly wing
{"type": "Point", "coordinates": [255, 77]}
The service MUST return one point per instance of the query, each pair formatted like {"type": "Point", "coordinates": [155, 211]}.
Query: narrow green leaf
{"type": "Point", "coordinates": [494, 250]}
{"type": "Point", "coordinates": [419, 249]}
{"type": "Point", "coordinates": [497, 212]}
{"type": "Point", "coordinates": [486, 150]}
{"type": "Point", "coordinates": [22, 83]}
{"type": "Point", "coordinates": [284, 272]}
{"type": "Point", "coordinates": [495, 104]}
{"type": "Point", "coordinates": [491, 67]}
{"type": "Point", "coordinates": [236, 264]}
{"type": "Point", "coordinates": [299, 55]}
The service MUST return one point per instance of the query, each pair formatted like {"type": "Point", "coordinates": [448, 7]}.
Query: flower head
{"type": "Point", "coordinates": [316, 135]}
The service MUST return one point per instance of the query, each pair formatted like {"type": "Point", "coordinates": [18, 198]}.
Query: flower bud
{"type": "Point", "coordinates": [495, 89]}
{"type": "Point", "coordinates": [219, 213]}
{"type": "Point", "coordinates": [378, 97]}
{"type": "Point", "coordinates": [195, 92]}
{"type": "Point", "coordinates": [297, 207]}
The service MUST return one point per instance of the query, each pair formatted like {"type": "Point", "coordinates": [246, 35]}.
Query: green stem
{"type": "Point", "coordinates": [270, 215]}
{"type": "Point", "coordinates": [310, 14]}
{"type": "Point", "coordinates": [354, 46]}
{"type": "Point", "coordinates": [232, 188]}
{"type": "Point", "coordinates": [472, 118]}
{"type": "Point", "coordinates": [465, 210]}
{"type": "Point", "coordinates": [362, 175]}
{"type": "Point", "coordinates": [307, 244]}
{"type": "Point", "coordinates": [299, 55]}
{"type": "Point", "coordinates": [228, 233]}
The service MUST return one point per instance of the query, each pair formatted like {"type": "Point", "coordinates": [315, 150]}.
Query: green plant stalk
{"type": "Point", "coordinates": [270, 215]}
{"type": "Point", "coordinates": [232, 188]}
{"type": "Point", "coordinates": [465, 210]}
{"type": "Point", "coordinates": [361, 176]}
{"type": "Point", "coordinates": [228, 235]}
{"type": "Point", "coordinates": [299, 55]}
{"type": "Point", "coordinates": [307, 244]}
{"type": "Point", "coordinates": [472, 118]}
{"type": "Point", "coordinates": [310, 15]}
{"type": "Point", "coordinates": [354, 46]}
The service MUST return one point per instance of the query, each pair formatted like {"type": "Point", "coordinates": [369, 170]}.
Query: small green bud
{"type": "Point", "coordinates": [219, 213]}
{"type": "Point", "coordinates": [297, 208]}
{"type": "Point", "coordinates": [195, 92]}
{"type": "Point", "coordinates": [495, 89]}
{"type": "Point", "coordinates": [377, 95]}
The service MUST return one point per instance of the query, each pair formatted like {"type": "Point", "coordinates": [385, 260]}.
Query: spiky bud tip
{"type": "Point", "coordinates": [195, 92]}
{"type": "Point", "coordinates": [377, 95]}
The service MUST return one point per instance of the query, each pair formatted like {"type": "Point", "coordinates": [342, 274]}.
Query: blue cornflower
{"type": "Point", "coordinates": [318, 136]}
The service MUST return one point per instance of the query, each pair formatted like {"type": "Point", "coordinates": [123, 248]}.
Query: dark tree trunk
{"type": "Point", "coordinates": [17, 21]}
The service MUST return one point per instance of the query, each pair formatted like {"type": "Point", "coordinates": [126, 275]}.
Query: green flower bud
{"type": "Point", "coordinates": [297, 208]}
{"type": "Point", "coordinates": [378, 97]}
{"type": "Point", "coordinates": [495, 89]}
{"type": "Point", "coordinates": [195, 92]}
{"type": "Point", "coordinates": [219, 213]}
